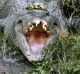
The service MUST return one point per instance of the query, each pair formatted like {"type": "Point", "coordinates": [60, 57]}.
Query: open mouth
{"type": "Point", "coordinates": [37, 36]}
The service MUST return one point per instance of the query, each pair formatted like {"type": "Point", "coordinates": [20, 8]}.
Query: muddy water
{"type": "Point", "coordinates": [8, 67]}
{"type": "Point", "coordinates": [13, 68]}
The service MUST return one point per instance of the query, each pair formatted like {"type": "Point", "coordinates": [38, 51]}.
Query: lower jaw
{"type": "Point", "coordinates": [34, 57]}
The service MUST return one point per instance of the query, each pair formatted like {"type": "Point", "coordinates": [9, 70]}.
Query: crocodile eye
{"type": "Point", "coordinates": [19, 21]}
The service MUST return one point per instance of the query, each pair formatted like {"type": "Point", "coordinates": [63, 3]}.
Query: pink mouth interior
{"type": "Point", "coordinates": [37, 39]}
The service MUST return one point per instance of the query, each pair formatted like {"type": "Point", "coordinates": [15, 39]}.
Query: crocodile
{"type": "Point", "coordinates": [32, 24]}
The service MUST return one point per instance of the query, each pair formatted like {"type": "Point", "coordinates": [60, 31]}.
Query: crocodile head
{"type": "Point", "coordinates": [37, 31]}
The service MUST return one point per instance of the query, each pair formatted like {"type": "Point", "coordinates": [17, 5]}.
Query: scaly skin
{"type": "Point", "coordinates": [41, 15]}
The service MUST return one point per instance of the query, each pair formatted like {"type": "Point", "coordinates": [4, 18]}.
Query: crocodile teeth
{"type": "Point", "coordinates": [31, 27]}
{"type": "Point", "coordinates": [45, 27]}
{"type": "Point", "coordinates": [37, 21]}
